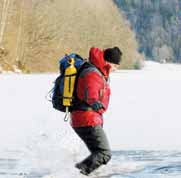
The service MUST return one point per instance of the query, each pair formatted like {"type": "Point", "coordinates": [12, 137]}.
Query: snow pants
{"type": "Point", "coordinates": [96, 141]}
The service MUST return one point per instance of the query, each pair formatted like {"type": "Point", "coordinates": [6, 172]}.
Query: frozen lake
{"type": "Point", "coordinates": [124, 164]}
{"type": "Point", "coordinates": [143, 125]}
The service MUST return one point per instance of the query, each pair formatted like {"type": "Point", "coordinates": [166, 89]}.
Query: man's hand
{"type": "Point", "coordinates": [96, 106]}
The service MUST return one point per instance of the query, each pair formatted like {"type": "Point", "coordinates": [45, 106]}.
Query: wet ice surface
{"type": "Point", "coordinates": [124, 164]}
{"type": "Point", "coordinates": [157, 164]}
{"type": "Point", "coordinates": [13, 165]}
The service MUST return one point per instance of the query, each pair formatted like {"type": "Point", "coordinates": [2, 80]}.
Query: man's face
{"type": "Point", "coordinates": [114, 67]}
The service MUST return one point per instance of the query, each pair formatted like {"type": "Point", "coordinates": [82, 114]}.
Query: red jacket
{"type": "Point", "coordinates": [93, 87]}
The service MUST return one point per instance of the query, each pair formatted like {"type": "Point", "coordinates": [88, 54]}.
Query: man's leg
{"type": "Point", "coordinates": [97, 143]}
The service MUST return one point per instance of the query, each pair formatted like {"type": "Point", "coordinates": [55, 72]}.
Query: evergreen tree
{"type": "Point", "coordinates": [156, 23]}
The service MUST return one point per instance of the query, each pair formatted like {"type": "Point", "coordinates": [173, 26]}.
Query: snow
{"type": "Point", "coordinates": [144, 113]}
{"type": "Point", "coordinates": [145, 110]}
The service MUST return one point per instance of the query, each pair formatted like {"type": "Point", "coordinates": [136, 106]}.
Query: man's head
{"type": "Point", "coordinates": [113, 57]}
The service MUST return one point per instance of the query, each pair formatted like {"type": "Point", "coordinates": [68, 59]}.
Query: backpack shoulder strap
{"type": "Point", "coordinates": [84, 69]}
{"type": "Point", "coordinates": [88, 67]}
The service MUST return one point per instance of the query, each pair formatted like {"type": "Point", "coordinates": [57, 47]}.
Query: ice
{"type": "Point", "coordinates": [144, 113]}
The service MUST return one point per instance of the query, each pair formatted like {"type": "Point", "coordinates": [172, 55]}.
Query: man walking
{"type": "Point", "coordinates": [93, 92]}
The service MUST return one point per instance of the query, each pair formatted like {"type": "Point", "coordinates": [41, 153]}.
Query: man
{"type": "Point", "coordinates": [92, 92]}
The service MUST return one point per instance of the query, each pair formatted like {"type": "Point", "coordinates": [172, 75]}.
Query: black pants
{"type": "Point", "coordinates": [97, 143]}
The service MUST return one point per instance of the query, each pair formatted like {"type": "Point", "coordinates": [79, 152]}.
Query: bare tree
{"type": "Point", "coordinates": [36, 33]}
{"type": "Point", "coordinates": [19, 45]}
{"type": "Point", "coordinates": [3, 18]}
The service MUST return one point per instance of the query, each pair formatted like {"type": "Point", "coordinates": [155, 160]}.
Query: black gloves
{"type": "Point", "coordinates": [96, 106]}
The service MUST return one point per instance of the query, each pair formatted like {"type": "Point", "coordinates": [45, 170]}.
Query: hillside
{"type": "Point", "coordinates": [35, 34]}
{"type": "Point", "coordinates": [157, 27]}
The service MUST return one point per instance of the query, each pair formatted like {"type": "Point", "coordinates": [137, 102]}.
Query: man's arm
{"type": "Point", "coordinates": [93, 85]}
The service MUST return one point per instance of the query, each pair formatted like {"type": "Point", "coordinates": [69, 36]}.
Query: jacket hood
{"type": "Point", "coordinates": [96, 57]}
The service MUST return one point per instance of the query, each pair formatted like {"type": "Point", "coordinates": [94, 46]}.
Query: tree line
{"type": "Point", "coordinates": [35, 34]}
{"type": "Point", "coordinates": [156, 24]}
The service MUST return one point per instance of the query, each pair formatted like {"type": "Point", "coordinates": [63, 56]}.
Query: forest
{"type": "Point", "coordinates": [157, 24]}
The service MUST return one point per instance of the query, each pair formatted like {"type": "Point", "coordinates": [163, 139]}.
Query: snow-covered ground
{"type": "Point", "coordinates": [144, 114]}
{"type": "Point", "coordinates": [145, 108]}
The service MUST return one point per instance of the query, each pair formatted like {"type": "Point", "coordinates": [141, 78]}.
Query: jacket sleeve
{"type": "Point", "coordinates": [90, 88]}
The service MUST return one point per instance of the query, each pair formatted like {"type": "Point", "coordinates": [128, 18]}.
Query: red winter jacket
{"type": "Point", "coordinates": [93, 87]}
